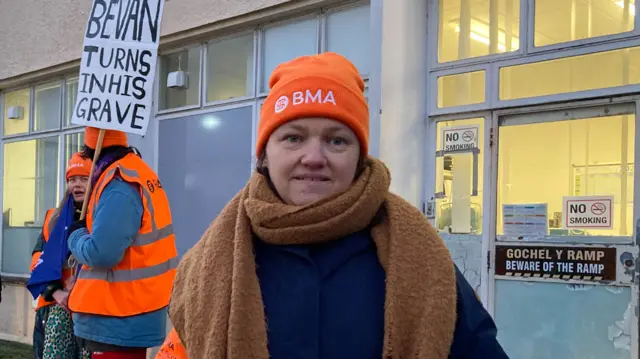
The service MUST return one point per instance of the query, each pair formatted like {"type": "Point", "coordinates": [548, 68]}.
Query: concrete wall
{"type": "Point", "coordinates": [37, 34]}
{"type": "Point", "coordinates": [403, 89]}
{"type": "Point", "coordinates": [16, 313]}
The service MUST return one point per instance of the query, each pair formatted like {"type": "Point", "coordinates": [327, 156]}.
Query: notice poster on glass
{"type": "Point", "coordinates": [525, 220]}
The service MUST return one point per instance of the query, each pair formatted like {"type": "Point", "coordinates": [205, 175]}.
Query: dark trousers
{"type": "Point", "coordinates": [38, 331]}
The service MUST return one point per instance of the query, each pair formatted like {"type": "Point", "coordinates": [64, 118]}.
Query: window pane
{"type": "Point", "coordinates": [187, 61]}
{"type": "Point", "coordinates": [204, 160]}
{"type": "Point", "coordinates": [70, 99]}
{"type": "Point", "coordinates": [230, 68]}
{"type": "Point", "coordinates": [458, 207]}
{"type": "Point", "coordinates": [286, 42]}
{"type": "Point", "coordinates": [564, 21]}
{"type": "Point", "coordinates": [569, 74]}
{"type": "Point", "coordinates": [458, 203]}
{"type": "Point", "coordinates": [21, 100]}
{"type": "Point", "coordinates": [348, 35]}
{"type": "Point", "coordinates": [556, 320]}
{"type": "Point", "coordinates": [47, 107]}
{"type": "Point", "coordinates": [73, 144]}
{"type": "Point", "coordinates": [477, 28]}
{"type": "Point", "coordinates": [541, 163]}
{"type": "Point", "coordinates": [461, 89]}
{"type": "Point", "coordinates": [30, 188]}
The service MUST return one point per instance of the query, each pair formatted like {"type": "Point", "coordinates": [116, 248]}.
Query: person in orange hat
{"type": "Point", "coordinates": [126, 249]}
{"type": "Point", "coordinates": [51, 276]}
{"type": "Point", "coordinates": [315, 257]}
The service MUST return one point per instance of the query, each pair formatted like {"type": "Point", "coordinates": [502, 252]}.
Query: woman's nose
{"type": "Point", "coordinates": [313, 155]}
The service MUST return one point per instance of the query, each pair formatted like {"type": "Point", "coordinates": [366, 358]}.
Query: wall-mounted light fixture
{"type": "Point", "coordinates": [15, 112]}
{"type": "Point", "coordinates": [178, 79]}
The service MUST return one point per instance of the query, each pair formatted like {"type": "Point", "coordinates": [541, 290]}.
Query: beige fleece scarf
{"type": "Point", "coordinates": [216, 306]}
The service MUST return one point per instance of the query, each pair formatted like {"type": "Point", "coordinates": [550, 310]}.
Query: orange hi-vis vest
{"type": "Point", "coordinates": [143, 279]}
{"type": "Point", "coordinates": [172, 348]}
{"type": "Point", "coordinates": [50, 219]}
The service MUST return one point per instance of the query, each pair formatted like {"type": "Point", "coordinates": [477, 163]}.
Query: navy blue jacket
{"type": "Point", "coordinates": [327, 301]}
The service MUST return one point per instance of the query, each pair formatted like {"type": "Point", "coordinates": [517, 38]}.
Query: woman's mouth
{"type": "Point", "coordinates": [312, 178]}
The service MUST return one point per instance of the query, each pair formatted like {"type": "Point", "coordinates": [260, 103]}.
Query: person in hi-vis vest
{"type": "Point", "coordinates": [51, 275]}
{"type": "Point", "coordinates": [172, 348]}
{"type": "Point", "coordinates": [126, 247]}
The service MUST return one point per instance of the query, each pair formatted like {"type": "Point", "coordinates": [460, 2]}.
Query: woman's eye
{"type": "Point", "coordinates": [293, 138]}
{"type": "Point", "coordinates": [337, 141]}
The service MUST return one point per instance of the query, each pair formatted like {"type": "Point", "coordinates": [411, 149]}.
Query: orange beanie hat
{"type": "Point", "coordinates": [111, 138]}
{"type": "Point", "coordinates": [78, 166]}
{"type": "Point", "coordinates": [325, 85]}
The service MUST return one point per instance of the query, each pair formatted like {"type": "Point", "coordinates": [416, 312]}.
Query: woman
{"type": "Point", "coordinates": [315, 258]}
{"type": "Point", "coordinates": [51, 277]}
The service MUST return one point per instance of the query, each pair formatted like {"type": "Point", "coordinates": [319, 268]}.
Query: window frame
{"type": "Point", "coordinates": [489, 287]}
{"type": "Point", "coordinates": [535, 112]}
{"type": "Point", "coordinates": [251, 102]}
{"type": "Point", "coordinates": [4, 142]}
{"type": "Point", "coordinates": [254, 130]}
{"type": "Point", "coordinates": [432, 105]}
{"type": "Point", "coordinates": [492, 83]}
{"type": "Point", "coordinates": [429, 174]}
{"type": "Point", "coordinates": [525, 54]}
{"type": "Point", "coordinates": [490, 173]}
{"type": "Point", "coordinates": [532, 49]}
{"type": "Point", "coordinates": [324, 25]}
{"type": "Point", "coordinates": [32, 120]}
{"type": "Point", "coordinates": [261, 37]}
{"type": "Point", "coordinates": [567, 96]}
{"type": "Point", "coordinates": [63, 107]}
{"type": "Point", "coordinates": [60, 133]}
{"type": "Point", "coordinates": [434, 37]}
{"type": "Point", "coordinates": [257, 98]}
{"type": "Point", "coordinates": [31, 106]}
{"type": "Point", "coordinates": [156, 106]}
{"type": "Point", "coordinates": [205, 69]}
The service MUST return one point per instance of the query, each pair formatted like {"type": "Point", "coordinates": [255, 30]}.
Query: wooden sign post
{"type": "Point", "coordinates": [96, 155]}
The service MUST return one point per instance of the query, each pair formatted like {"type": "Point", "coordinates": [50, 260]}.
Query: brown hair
{"type": "Point", "coordinates": [64, 198]}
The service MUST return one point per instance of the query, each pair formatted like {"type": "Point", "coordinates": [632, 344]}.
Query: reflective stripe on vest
{"type": "Point", "coordinates": [128, 275]}
{"type": "Point", "coordinates": [143, 279]}
{"type": "Point", "coordinates": [156, 233]}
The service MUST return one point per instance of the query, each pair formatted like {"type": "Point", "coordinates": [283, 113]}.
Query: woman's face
{"type": "Point", "coordinates": [311, 158]}
{"type": "Point", "coordinates": [77, 186]}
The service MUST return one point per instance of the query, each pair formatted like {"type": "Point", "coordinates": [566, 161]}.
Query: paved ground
{"type": "Point", "coordinates": [11, 350]}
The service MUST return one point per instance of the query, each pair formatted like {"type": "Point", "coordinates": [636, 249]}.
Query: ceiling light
{"type": "Point", "coordinates": [632, 7]}
{"type": "Point", "coordinates": [481, 33]}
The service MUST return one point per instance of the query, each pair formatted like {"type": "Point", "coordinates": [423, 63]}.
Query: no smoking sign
{"type": "Point", "coordinates": [468, 136]}
{"type": "Point", "coordinates": [598, 208]}
{"type": "Point", "coordinates": [588, 212]}
{"type": "Point", "coordinates": [460, 138]}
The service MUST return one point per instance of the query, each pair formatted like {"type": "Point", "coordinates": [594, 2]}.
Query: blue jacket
{"type": "Point", "coordinates": [301, 284]}
{"type": "Point", "coordinates": [117, 220]}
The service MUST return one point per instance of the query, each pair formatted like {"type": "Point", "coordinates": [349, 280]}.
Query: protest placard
{"type": "Point", "coordinates": [117, 71]}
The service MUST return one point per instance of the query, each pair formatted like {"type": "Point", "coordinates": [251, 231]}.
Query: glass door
{"type": "Point", "coordinates": [563, 245]}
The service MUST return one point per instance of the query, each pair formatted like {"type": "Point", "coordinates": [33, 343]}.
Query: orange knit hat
{"type": "Point", "coordinates": [325, 85]}
{"type": "Point", "coordinates": [111, 138]}
{"type": "Point", "coordinates": [78, 166]}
